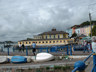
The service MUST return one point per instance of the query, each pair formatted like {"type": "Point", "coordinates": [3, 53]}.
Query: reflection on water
{"type": "Point", "coordinates": [2, 49]}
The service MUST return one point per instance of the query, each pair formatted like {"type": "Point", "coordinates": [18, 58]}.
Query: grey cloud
{"type": "Point", "coordinates": [20, 19]}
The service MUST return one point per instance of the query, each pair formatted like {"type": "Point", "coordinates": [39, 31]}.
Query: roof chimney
{"type": "Point", "coordinates": [54, 29]}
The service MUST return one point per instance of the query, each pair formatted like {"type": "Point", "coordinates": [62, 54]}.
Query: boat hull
{"type": "Point", "coordinates": [18, 59]}
{"type": "Point", "coordinates": [3, 59]}
{"type": "Point", "coordinates": [42, 57]}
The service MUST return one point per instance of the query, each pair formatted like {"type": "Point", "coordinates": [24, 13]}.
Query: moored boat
{"type": "Point", "coordinates": [18, 59]}
{"type": "Point", "coordinates": [3, 59]}
{"type": "Point", "coordinates": [42, 57]}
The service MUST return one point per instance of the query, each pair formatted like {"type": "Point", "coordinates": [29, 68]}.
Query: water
{"type": "Point", "coordinates": [2, 49]}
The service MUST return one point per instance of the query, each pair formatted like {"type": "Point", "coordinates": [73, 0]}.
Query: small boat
{"type": "Point", "coordinates": [18, 59]}
{"type": "Point", "coordinates": [3, 59]}
{"type": "Point", "coordinates": [42, 57]}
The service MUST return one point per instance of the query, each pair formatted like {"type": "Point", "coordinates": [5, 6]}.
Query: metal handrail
{"type": "Point", "coordinates": [87, 58]}
{"type": "Point", "coordinates": [75, 69]}
{"type": "Point", "coordinates": [93, 68]}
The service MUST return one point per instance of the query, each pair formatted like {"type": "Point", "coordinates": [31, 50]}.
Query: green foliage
{"type": "Point", "coordinates": [85, 24]}
{"type": "Point", "coordinates": [67, 67]}
{"type": "Point", "coordinates": [47, 68]}
{"type": "Point", "coordinates": [29, 38]}
{"type": "Point", "coordinates": [57, 67]}
{"type": "Point", "coordinates": [94, 31]}
{"type": "Point", "coordinates": [9, 42]}
{"type": "Point", "coordinates": [62, 67]}
{"type": "Point", "coordinates": [29, 68]}
{"type": "Point", "coordinates": [74, 35]}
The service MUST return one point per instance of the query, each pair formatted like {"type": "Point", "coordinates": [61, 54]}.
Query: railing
{"type": "Point", "coordinates": [80, 65]}
{"type": "Point", "coordinates": [63, 49]}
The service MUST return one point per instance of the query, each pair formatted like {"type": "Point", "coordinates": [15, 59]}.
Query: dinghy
{"type": "Point", "coordinates": [18, 59]}
{"type": "Point", "coordinates": [42, 57]}
{"type": "Point", "coordinates": [3, 59]}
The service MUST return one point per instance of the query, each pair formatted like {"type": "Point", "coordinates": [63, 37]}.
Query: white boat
{"type": "Point", "coordinates": [3, 59]}
{"type": "Point", "coordinates": [42, 57]}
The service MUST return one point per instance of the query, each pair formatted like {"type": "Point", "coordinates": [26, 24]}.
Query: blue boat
{"type": "Point", "coordinates": [18, 59]}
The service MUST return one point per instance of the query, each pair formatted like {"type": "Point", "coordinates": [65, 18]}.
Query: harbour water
{"type": "Point", "coordinates": [5, 49]}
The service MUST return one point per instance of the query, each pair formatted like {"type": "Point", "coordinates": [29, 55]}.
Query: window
{"type": "Point", "coordinates": [54, 36]}
{"type": "Point", "coordinates": [64, 40]}
{"type": "Point", "coordinates": [43, 42]}
{"type": "Point", "coordinates": [26, 42]}
{"type": "Point", "coordinates": [57, 41]}
{"type": "Point", "coordinates": [20, 42]}
{"type": "Point", "coordinates": [50, 36]}
{"type": "Point", "coordinates": [39, 42]}
{"type": "Point", "coordinates": [49, 41]}
{"type": "Point", "coordinates": [60, 41]}
{"type": "Point", "coordinates": [78, 31]}
{"type": "Point", "coordinates": [46, 36]}
{"type": "Point", "coordinates": [46, 41]}
{"type": "Point", "coordinates": [35, 42]}
{"type": "Point", "coordinates": [58, 36]}
{"type": "Point", "coordinates": [53, 41]}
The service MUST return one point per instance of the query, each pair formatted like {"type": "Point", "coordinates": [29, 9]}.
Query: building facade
{"type": "Point", "coordinates": [77, 30]}
{"type": "Point", "coordinates": [52, 37]}
{"type": "Point", "coordinates": [69, 31]}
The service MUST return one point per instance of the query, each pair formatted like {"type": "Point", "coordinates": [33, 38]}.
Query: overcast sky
{"type": "Point", "coordinates": [21, 19]}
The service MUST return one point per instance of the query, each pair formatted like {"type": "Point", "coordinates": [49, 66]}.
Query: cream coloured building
{"type": "Point", "coordinates": [52, 37]}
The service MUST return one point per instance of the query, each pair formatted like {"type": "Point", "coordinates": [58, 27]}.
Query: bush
{"type": "Point", "coordinates": [47, 68]}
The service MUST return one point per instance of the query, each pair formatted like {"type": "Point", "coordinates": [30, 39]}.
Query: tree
{"type": "Point", "coordinates": [93, 31]}
{"type": "Point", "coordinates": [74, 35]}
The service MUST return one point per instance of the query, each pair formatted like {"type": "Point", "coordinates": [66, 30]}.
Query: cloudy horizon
{"type": "Point", "coordinates": [21, 19]}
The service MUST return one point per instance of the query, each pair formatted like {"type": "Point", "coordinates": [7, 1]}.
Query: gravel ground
{"type": "Point", "coordinates": [34, 64]}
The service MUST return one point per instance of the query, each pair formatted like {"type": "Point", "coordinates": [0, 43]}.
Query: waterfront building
{"type": "Point", "coordinates": [69, 30]}
{"type": "Point", "coordinates": [82, 30]}
{"type": "Point", "coordinates": [52, 37]}
{"type": "Point", "coordinates": [74, 28]}
{"type": "Point", "coordinates": [86, 30]}
{"type": "Point", "coordinates": [77, 30]}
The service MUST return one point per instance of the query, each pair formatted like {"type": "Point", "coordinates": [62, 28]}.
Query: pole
{"type": "Point", "coordinates": [8, 51]}
{"type": "Point", "coordinates": [94, 62]}
{"type": "Point", "coordinates": [70, 49]}
{"type": "Point", "coordinates": [90, 23]}
{"type": "Point", "coordinates": [26, 51]}
{"type": "Point", "coordinates": [67, 50]}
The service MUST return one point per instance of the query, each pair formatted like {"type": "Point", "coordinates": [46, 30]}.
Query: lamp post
{"type": "Point", "coordinates": [90, 23]}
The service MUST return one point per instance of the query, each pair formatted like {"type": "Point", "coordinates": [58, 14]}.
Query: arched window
{"type": "Point", "coordinates": [26, 42]}
{"type": "Point", "coordinates": [53, 41]}
{"type": "Point", "coordinates": [43, 42]}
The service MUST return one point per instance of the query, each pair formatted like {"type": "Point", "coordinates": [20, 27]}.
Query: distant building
{"type": "Point", "coordinates": [77, 30]}
{"type": "Point", "coordinates": [74, 28]}
{"type": "Point", "coordinates": [80, 29]}
{"type": "Point", "coordinates": [52, 37]}
{"type": "Point", "coordinates": [69, 30]}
